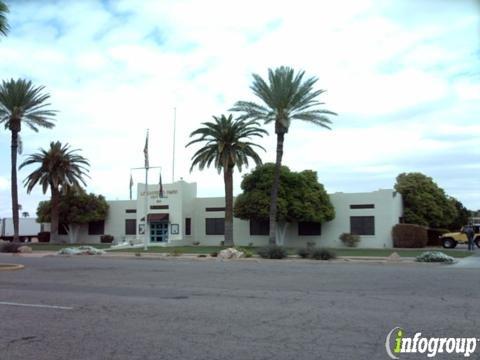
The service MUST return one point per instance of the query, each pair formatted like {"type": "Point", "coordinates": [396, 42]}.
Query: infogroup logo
{"type": "Point", "coordinates": [397, 343]}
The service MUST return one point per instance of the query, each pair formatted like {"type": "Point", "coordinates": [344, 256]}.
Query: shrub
{"type": "Point", "coordinates": [272, 252]}
{"type": "Point", "coordinates": [350, 240]}
{"type": "Point", "coordinates": [409, 236]}
{"type": "Point", "coordinates": [106, 239]}
{"type": "Point", "coordinates": [196, 243]}
{"type": "Point", "coordinates": [44, 236]}
{"type": "Point", "coordinates": [246, 252]}
{"type": "Point", "coordinates": [201, 255]}
{"type": "Point", "coordinates": [214, 254]}
{"type": "Point", "coordinates": [435, 256]}
{"type": "Point", "coordinates": [10, 247]}
{"type": "Point", "coordinates": [304, 252]}
{"type": "Point", "coordinates": [323, 254]}
{"type": "Point", "coordinates": [433, 236]}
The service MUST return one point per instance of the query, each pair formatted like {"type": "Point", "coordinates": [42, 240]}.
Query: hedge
{"type": "Point", "coordinates": [409, 236]}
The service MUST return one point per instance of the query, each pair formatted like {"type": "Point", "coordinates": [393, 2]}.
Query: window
{"type": "Point", "coordinates": [307, 228]}
{"type": "Point", "coordinates": [362, 225]}
{"type": "Point", "coordinates": [215, 226]}
{"type": "Point", "coordinates": [259, 227]}
{"type": "Point", "coordinates": [130, 226]}
{"type": "Point", "coordinates": [158, 207]}
{"type": "Point", "coordinates": [96, 227]}
{"type": "Point", "coordinates": [188, 226]}
{"type": "Point", "coordinates": [362, 206]}
{"type": "Point", "coordinates": [131, 211]}
{"type": "Point", "coordinates": [215, 209]}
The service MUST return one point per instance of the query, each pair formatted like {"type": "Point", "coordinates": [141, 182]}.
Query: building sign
{"type": "Point", "coordinates": [155, 194]}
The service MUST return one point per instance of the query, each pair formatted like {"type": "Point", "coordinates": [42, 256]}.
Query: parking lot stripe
{"type": "Point", "coordinates": [36, 305]}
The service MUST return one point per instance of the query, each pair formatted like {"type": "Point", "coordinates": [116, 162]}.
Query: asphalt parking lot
{"type": "Point", "coordinates": [97, 308]}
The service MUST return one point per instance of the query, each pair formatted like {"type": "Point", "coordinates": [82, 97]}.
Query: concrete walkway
{"type": "Point", "coordinates": [471, 262]}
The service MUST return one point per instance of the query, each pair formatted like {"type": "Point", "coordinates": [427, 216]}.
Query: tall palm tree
{"type": "Point", "coordinates": [3, 19]}
{"type": "Point", "coordinates": [59, 168]}
{"type": "Point", "coordinates": [286, 97]}
{"type": "Point", "coordinates": [226, 145]}
{"type": "Point", "coordinates": [21, 102]}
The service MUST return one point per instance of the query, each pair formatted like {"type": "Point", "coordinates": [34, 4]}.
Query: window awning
{"type": "Point", "coordinates": [157, 217]}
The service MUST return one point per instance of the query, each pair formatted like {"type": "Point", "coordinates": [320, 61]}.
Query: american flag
{"type": "Point", "coordinates": [145, 152]}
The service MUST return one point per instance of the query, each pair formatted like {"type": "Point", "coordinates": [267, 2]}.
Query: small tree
{"type": "Point", "coordinates": [300, 198]}
{"type": "Point", "coordinates": [76, 208]}
{"type": "Point", "coordinates": [425, 203]}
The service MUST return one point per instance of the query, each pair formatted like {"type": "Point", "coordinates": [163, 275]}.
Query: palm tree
{"type": "Point", "coordinates": [286, 97]}
{"type": "Point", "coordinates": [59, 169]}
{"type": "Point", "coordinates": [3, 18]}
{"type": "Point", "coordinates": [21, 102]}
{"type": "Point", "coordinates": [225, 146]}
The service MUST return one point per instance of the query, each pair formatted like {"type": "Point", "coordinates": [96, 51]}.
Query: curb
{"type": "Point", "coordinates": [11, 267]}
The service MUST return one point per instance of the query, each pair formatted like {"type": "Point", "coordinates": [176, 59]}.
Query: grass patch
{"type": "Point", "coordinates": [176, 249]}
{"type": "Point", "coordinates": [56, 247]}
{"type": "Point", "coordinates": [402, 252]}
{"type": "Point", "coordinates": [291, 251]}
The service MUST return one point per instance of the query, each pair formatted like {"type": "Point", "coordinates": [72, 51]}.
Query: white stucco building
{"type": "Point", "coordinates": [182, 218]}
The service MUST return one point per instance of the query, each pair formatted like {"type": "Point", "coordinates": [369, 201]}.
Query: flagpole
{"type": "Point", "coordinates": [145, 239]}
{"type": "Point", "coordinates": [173, 152]}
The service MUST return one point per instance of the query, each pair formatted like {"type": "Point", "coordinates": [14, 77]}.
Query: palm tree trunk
{"type": "Point", "coordinates": [228, 179]}
{"type": "Point", "coordinates": [275, 186]}
{"type": "Point", "coordinates": [55, 202]}
{"type": "Point", "coordinates": [14, 146]}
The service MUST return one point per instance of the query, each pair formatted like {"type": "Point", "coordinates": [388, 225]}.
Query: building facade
{"type": "Point", "coordinates": [179, 217]}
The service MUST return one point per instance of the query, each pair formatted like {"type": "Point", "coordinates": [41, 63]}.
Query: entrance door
{"type": "Point", "coordinates": [159, 232]}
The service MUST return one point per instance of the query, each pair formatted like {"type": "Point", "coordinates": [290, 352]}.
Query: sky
{"type": "Point", "coordinates": [403, 76]}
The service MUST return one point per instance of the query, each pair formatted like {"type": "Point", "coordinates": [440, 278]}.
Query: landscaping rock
{"type": "Point", "coordinates": [24, 249]}
{"type": "Point", "coordinates": [81, 250]}
{"type": "Point", "coordinates": [230, 253]}
{"type": "Point", "coordinates": [394, 257]}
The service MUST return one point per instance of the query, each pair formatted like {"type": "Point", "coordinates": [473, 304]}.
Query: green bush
{"type": "Point", "coordinates": [323, 254]}
{"type": "Point", "coordinates": [214, 254]}
{"type": "Point", "coordinates": [435, 256]}
{"type": "Point", "coordinates": [433, 236]}
{"type": "Point", "coordinates": [316, 253]}
{"type": "Point", "coordinates": [350, 240]}
{"type": "Point", "coordinates": [272, 252]}
{"type": "Point", "coordinates": [304, 252]}
{"type": "Point", "coordinates": [10, 247]}
{"type": "Point", "coordinates": [409, 236]}
{"type": "Point", "coordinates": [43, 236]}
{"type": "Point", "coordinates": [246, 252]}
{"type": "Point", "coordinates": [106, 239]}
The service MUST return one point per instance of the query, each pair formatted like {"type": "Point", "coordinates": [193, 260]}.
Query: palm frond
{"type": "Point", "coordinates": [58, 166]}
{"type": "Point", "coordinates": [225, 143]}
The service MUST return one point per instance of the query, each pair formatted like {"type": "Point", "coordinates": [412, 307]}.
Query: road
{"type": "Point", "coordinates": [104, 308]}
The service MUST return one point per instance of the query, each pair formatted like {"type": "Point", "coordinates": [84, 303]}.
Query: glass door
{"type": "Point", "coordinates": [159, 232]}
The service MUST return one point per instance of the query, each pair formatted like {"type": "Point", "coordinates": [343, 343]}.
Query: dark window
{"type": "Point", "coordinates": [131, 211]}
{"type": "Point", "coordinates": [362, 225]}
{"type": "Point", "coordinates": [215, 226]}
{"type": "Point", "coordinates": [306, 228]}
{"type": "Point", "coordinates": [188, 226]}
{"type": "Point", "coordinates": [259, 227]}
{"type": "Point", "coordinates": [362, 206]}
{"type": "Point", "coordinates": [130, 226]}
{"type": "Point", "coordinates": [215, 209]}
{"type": "Point", "coordinates": [158, 207]}
{"type": "Point", "coordinates": [96, 227]}
{"type": "Point", "coordinates": [62, 229]}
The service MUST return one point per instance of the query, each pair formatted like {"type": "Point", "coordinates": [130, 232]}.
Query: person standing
{"type": "Point", "coordinates": [470, 232]}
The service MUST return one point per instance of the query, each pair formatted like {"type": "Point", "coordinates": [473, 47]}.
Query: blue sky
{"type": "Point", "coordinates": [404, 77]}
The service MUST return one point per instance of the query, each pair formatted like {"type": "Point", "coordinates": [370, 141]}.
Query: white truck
{"type": "Point", "coordinates": [28, 228]}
